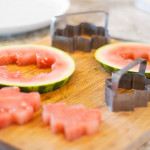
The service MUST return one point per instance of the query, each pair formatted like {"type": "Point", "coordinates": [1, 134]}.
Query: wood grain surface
{"type": "Point", "coordinates": [122, 130]}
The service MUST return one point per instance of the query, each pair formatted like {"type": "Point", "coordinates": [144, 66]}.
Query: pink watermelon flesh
{"type": "Point", "coordinates": [34, 54]}
{"type": "Point", "coordinates": [17, 107]}
{"type": "Point", "coordinates": [121, 54]}
{"type": "Point", "coordinates": [45, 60]}
{"type": "Point", "coordinates": [74, 121]}
{"type": "Point", "coordinates": [26, 56]}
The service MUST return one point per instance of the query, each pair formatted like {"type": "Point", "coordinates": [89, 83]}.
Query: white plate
{"type": "Point", "coordinates": [17, 16]}
{"type": "Point", "coordinates": [143, 5]}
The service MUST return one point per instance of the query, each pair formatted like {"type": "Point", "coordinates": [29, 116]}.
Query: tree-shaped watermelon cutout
{"type": "Point", "coordinates": [75, 121]}
{"type": "Point", "coordinates": [17, 107]}
{"type": "Point", "coordinates": [61, 64]}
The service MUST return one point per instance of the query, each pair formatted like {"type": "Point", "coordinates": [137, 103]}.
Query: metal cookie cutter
{"type": "Point", "coordinates": [70, 39]}
{"type": "Point", "coordinates": [128, 81]}
{"type": "Point", "coordinates": [6, 146]}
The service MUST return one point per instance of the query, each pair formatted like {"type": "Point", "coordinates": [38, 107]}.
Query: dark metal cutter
{"type": "Point", "coordinates": [6, 146]}
{"type": "Point", "coordinates": [70, 39]}
{"type": "Point", "coordinates": [128, 81]}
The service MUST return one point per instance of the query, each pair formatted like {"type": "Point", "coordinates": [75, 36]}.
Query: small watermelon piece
{"type": "Point", "coordinates": [113, 57]}
{"type": "Point", "coordinates": [10, 75]}
{"type": "Point", "coordinates": [17, 107]}
{"type": "Point", "coordinates": [5, 60]}
{"type": "Point", "coordinates": [25, 58]}
{"type": "Point", "coordinates": [45, 60]}
{"type": "Point", "coordinates": [74, 121]}
{"type": "Point", "coordinates": [61, 64]}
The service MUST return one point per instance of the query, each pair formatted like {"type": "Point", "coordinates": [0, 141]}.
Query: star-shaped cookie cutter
{"type": "Point", "coordinates": [69, 38]}
{"type": "Point", "coordinates": [128, 81]}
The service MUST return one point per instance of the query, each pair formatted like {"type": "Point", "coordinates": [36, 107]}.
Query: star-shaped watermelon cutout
{"type": "Point", "coordinates": [17, 107]}
{"type": "Point", "coordinates": [74, 121]}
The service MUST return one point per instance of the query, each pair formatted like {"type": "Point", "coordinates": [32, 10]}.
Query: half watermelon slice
{"type": "Point", "coordinates": [113, 57]}
{"type": "Point", "coordinates": [61, 64]}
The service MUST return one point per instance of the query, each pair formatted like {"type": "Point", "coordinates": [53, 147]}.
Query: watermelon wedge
{"type": "Point", "coordinates": [113, 57]}
{"type": "Point", "coordinates": [61, 64]}
{"type": "Point", "coordinates": [17, 107]}
{"type": "Point", "coordinates": [75, 121]}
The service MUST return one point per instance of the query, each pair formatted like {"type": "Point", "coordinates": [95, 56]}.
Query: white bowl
{"type": "Point", "coordinates": [17, 16]}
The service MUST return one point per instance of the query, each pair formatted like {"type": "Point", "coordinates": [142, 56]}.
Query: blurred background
{"type": "Point", "coordinates": [28, 21]}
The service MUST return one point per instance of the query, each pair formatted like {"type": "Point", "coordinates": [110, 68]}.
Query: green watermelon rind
{"type": "Point", "coordinates": [112, 68]}
{"type": "Point", "coordinates": [44, 88]}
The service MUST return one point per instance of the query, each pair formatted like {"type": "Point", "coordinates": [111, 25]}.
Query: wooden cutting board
{"type": "Point", "coordinates": [122, 130]}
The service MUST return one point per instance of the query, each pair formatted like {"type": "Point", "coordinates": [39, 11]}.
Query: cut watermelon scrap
{"type": "Point", "coordinates": [45, 60]}
{"type": "Point", "coordinates": [61, 64]}
{"type": "Point", "coordinates": [10, 75]}
{"type": "Point", "coordinates": [17, 107]}
{"type": "Point", "coordinates": [74, 121]}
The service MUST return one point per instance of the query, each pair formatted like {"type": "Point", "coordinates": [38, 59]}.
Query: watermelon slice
{"type": "Point", "coordinates": [74, 121]}
{"type": "Point", "coordinates": [61, 64]}
{"type": "Point", "coordinates": [116, 56]}
{"type": "Point", "coordinates": [17, 107]}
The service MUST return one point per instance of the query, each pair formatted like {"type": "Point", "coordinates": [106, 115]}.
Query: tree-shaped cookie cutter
{"type": "Point", "coordinates": [69, 38]}
{"type": "Point", "coordinates": [128, 81]}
